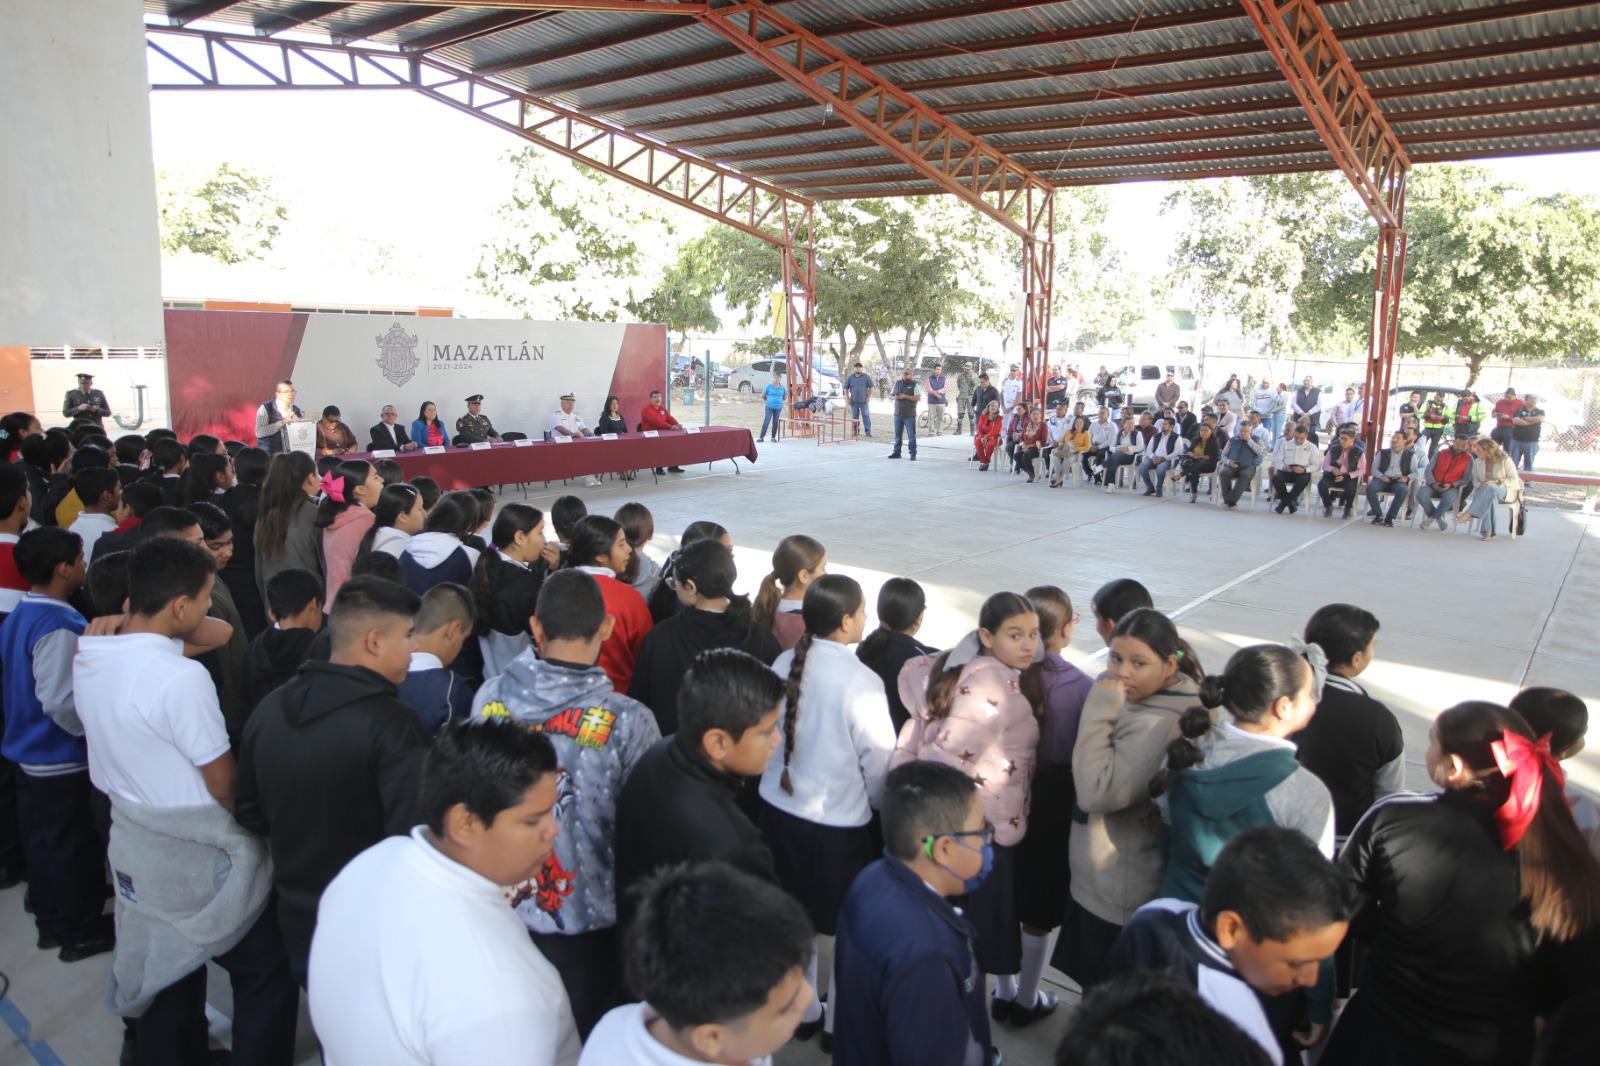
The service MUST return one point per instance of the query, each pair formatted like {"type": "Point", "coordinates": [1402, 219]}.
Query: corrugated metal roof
{"type": "Point", "coordinates": [1083, 90]}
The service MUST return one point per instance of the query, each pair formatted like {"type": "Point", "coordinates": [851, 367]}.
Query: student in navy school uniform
{"type": "Point", "coordinates": [908, 988]}
{"type": "Point", "coordinates": [444, 623]}
{"type": "Point", "coordinates": [1274, 908]}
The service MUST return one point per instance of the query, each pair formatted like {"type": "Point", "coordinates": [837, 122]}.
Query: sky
{"type": "Point", "coordinates": [398, 184]}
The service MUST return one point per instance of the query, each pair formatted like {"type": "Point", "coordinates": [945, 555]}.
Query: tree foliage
{"type": "Point", "coordinates": [230, 215]}
{"type": "Point", "coordinates": [1490, 271]}
{"type": "Point", "coordinates": [575, 244]}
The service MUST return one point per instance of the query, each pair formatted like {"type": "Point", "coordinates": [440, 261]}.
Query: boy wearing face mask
{"type": "Point", "coordinates": [907, 984]}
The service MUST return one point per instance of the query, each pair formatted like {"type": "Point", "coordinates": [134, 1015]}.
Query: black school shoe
{"type": "Point", "coordinates": [1043, 1006]}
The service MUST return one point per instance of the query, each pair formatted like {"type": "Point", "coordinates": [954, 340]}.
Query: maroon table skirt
{"type": "Point", "coordinates": [504, 464]}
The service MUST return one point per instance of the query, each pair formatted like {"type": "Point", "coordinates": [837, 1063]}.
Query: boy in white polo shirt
{"type": "Point", "coordinates": [158, 748]}
{"type": "Point", "coordinates": [416, 956]}
{"type": "Point", "coordinates": [720, 959]}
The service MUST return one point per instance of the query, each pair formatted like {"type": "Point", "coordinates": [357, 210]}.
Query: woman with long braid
{"type": "Point", "coordinates": [824, 782]}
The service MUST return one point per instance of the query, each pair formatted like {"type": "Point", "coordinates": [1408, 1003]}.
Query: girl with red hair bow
{"type": "Point", "coordinates": [1477, 901]}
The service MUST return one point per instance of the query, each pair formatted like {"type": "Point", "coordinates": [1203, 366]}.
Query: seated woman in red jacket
{"type": "Point", "coordinates": [988, 435]}
{"type": "Point", "coordinates": [1031, 442]}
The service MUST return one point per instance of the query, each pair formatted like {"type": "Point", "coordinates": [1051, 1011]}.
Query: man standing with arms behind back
{"type": "Point", "coordinates": [859, 388]}
{"type": "Point", "coordinates": [1307, 403]}
{"type": "Point", "coordinates": [936, 401]}
{"type": "Point", "coordinates": [905, 413]}
{"type": "Point", "coordinates": [966, 414]}
{"type": "Point", "coordinates": [1526, 425]}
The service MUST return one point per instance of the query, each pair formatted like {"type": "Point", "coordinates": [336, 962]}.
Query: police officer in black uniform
{"type": "Point", "coordinates": [86, 403]}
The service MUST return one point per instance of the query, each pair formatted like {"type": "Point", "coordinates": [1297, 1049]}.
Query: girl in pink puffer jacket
{"type": "Point", "coordinates": [975, 708]}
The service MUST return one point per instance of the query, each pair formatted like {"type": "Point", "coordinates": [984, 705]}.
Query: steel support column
{"type": "Point", "coordinates": [799, 271]}
{"type": "Point", "coordinates": [1364, 146]}
{"type": "Point", "coordinates": [1038, 285]}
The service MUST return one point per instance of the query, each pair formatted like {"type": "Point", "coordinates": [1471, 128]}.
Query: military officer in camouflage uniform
{"type": "Point", "coordinates": [474, 427]}
{"type": "Point", "coordinates": [965, 384]}
{"type": "Point", "coordinates": [86, 403]}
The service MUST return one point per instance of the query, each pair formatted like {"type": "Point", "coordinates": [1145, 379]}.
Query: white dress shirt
{"type": "Point", "coordinates": [1102, 434]}
{"type": "Point", "coordinates": [1290, 453]}
{"type": "Point", "coordinates": [570, 421]}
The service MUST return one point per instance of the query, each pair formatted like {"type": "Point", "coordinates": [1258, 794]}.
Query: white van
{"type": "Point", "coordinates": [1139, 381]}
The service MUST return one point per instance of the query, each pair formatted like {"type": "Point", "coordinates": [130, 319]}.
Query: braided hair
{"type": "Point", "coordinates": [830, 600]}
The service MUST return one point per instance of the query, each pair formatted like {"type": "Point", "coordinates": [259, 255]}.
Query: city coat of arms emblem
{"type": "Point", "coordinates": [397, 355]}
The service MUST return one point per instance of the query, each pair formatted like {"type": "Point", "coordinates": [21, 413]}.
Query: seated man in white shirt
{"type": "Point", "coordinates": [1102, 438]}
{"type": "Point", "coordinates": [158, 748]}
{"type": "Point", "coordinates": [568, 423]}
{"type": "Point", "coordinates": [719, 958]}
{"type": "Point", "coordinates": [430, 906]}
{"type": "Point", "coordinates": [1059, 426]}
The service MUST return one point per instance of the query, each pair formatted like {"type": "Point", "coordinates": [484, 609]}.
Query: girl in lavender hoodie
{"type": "Point", "coordinates": [976, 708]}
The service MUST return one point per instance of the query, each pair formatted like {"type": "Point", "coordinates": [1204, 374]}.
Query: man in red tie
{"type": "Point", "coordinates": [655, 416]}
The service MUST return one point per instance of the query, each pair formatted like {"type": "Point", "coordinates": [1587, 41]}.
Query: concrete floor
{"type": "Point", "coordinates": [1462, 619]}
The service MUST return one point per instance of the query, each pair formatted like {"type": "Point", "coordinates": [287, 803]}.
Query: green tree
{"type": "Point", "coordinates": [576, 244]}
{"type": "Point", "coordinates": [1239, 259]}
{"type": "Point", "coordinates": [1492, 273]}
{"type": "Point", "coordinates": [230, 216]}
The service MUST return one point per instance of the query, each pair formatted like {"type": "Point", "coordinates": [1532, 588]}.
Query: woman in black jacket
{"type": "Point", "coordinates": [1202, 459]}
{"type": "Point", "coordinates": [712, 617]}
{"type": "Point", "coordinates": [1480, 903]}
{"type": "Point", "coordinates": [506, 582]}
{"type": "Point", "coordinates": [612, 419]}
{"type": "Point", "coordinates": [901, 603]}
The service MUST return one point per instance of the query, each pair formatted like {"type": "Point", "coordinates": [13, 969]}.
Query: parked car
{"type": "Point", "coordinates": [754, 377]}
{"type": "Point", "coordinates": [686, 371]}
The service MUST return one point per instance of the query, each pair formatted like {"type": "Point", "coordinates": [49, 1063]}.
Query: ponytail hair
{"type": "Point", "coordinates": [1255, 678]}
{"type": "Point", "coordinates": [354, 472]}
{"type": "Point", "coordinates": [592, 537]}
{"type": "Point", "coordinates": [709, 564]}
{"type": "Point", "coordinates": [513, 518]}
{"type": "Point", "coordinates": [1115, 600]}
{"type": "Point", "coordinates": [830, 599]}
{"type": "Point", "coordinates": [901, 602]}
{"type": "Point", "coordinates": [1560, 875]}
{"type": "Point", "coordinates": [1156, 631]}
{"type": "Point", "coordinates": [793, 554]}
{"type": "Point", "coordinates": [200, 478]}
{"type": "Point", "coordinates": [394, 501]}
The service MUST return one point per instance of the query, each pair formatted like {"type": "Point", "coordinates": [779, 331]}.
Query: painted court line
{"type": "Point", "coordinates": [1246, 576]}
{"type": "Point", "coordinates": [18, 1022]}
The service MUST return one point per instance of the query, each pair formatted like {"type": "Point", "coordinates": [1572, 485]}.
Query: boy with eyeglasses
{"type": "Point", "coordinates": [907, 985]}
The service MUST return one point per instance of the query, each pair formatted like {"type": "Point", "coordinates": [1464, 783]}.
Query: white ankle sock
{"type": "Point", "coordinates": [1035, 953]}
{"type": "Point", "coordinates": [814, 1011]}
{"type": "Point", "coordinates": [827, 1020]}
{"type": "Point", "coordinates": [1005, 986]}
